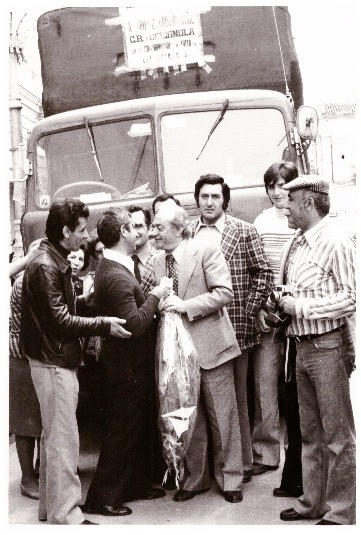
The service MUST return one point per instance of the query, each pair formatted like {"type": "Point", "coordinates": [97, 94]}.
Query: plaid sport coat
{"type": "Point", "coordinates": [251, 274]}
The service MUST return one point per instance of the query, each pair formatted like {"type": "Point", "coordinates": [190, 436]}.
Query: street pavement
{"type": "Point", "coordinates": [259, 507]}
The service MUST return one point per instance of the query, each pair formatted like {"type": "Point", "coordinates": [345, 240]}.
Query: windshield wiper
{"type": "Point", "coordinates": [94, 150]}
{"type": "Point", "coordinates": [217, 121]}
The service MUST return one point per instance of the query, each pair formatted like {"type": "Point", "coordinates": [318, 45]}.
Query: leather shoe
{"type": "Point", "coordinates": [259, 468]}
{"type": "Point", "coordinates": [152, 494]}
{"type": "Point", "coordinates": [247, 475]}
{"type": "Point", "coordinates": [291, 514]}
{"type": "Point", "coordinates": [233, 496]}
{"type": "Point", "coordinates": [325, 522]}
{"type": "Point", "coordinates": [281, 493]}
{"type": "Point", "coordinates": [183, 495]}
{"type": "Point", "coordinates": [87, 522]}
{"type": "Point", "coordinates": [33, 494]}
{"type": "Point", "coordinates": [106, 510]}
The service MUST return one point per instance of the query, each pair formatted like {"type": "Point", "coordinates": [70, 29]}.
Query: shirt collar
{"type": "Point", "coordinates": [121, 258]}
{"type": "Point", "coordinates": [178, 252]}
{"type": "Point", "coordinates": [143, 255]}
{"type": "Point", "coordinates": [219, 224]}
{"type": "Point", "coordinates": [313, 233]}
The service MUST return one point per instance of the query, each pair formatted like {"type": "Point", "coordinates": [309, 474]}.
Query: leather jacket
{"type": "Point", "coordinates": [50, 328]}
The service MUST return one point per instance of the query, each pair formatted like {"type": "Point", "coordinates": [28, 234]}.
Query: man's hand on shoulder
{"type": "Point", "coordinates": [116, 328]}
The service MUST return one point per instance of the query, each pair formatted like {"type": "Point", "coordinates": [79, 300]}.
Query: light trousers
{"type": "Point", "coordinates": [60, 490]}
{"type": "Point", "coordinates": [219, 403]}
{"type": "Point", "coordinates": [267, 364]}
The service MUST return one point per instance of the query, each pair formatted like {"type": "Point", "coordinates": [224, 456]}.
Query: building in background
{"type": "Point", "coordinates": [333, 155]}
{"type": "Point", "coordinates": [25, 109]}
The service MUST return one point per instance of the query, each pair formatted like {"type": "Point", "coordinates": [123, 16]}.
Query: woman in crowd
{"type": "Point", "coordinates": [79, 261]}
{"type": "Point", "coordinates": [24, 410]}
{"type": "Point", "coordinates": [268, 359]}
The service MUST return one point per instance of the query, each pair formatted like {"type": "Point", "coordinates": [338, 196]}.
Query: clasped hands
{"type": "Point", "coordinates": [168, 301]}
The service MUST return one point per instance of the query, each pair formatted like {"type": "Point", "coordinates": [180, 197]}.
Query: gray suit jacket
{"type": "Point", "coordinates": [204, 284]}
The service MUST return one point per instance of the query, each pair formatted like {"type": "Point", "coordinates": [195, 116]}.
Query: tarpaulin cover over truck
{"type": "Point", "coordinates": [92, 56]}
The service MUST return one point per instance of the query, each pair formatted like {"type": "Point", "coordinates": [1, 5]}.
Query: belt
{"type": "Point", "coordinates": [303, 337]}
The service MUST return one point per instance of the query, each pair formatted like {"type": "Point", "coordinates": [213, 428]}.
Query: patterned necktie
{"type": "Point", "coordinates": [171, 272]}
{"type": "Point", "coordinates": [136, 261]}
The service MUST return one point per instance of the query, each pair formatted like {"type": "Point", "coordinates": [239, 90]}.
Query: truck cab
{"type": "Point", "coordinates": [129, 152]}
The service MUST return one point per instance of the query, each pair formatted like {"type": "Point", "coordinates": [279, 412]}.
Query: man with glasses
{"type": "Point", "coordinates": [144, 251]}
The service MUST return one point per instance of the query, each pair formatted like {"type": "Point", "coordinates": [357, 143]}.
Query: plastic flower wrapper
{"type": "Point", "coordinates": [178, 379]}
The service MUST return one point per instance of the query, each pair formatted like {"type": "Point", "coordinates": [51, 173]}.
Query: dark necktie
{"type": "Point", "coordinates": [171, 272]}
{"type": "Point", "coordinates": [136, 261]}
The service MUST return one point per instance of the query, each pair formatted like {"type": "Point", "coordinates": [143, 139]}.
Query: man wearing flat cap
{"type": "Point", "coordinates": [318, 267]}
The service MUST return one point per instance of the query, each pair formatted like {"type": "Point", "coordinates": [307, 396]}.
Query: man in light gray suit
{"type": "Point", "coordinates": [203, 288]}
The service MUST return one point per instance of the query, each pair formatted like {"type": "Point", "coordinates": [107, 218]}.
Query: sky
{"type": "Point", "coordinates": [325, 34]}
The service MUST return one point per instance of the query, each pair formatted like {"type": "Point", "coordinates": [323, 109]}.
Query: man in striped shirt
{"type": "Point", "coordinates": [319, 270]}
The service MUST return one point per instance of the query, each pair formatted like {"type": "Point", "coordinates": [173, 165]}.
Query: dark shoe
{"type": "Point", "coordinates": [280, 493]}
{"type": "Point", "coordinates": [233, 496]}
{"type": "Point", "coordinates": [291, 514]}
{"type": "Point", "coordinates": [183, 495]}
{"type": "Point", "coordinates": [152, 494]}
{"type": "Point", "coordinates": [106, 510]}
{"type": "Point", "coordinates": [247, 475]}
{"type": "Point", "coordinates": [29, 493]}
{"type": "Point", "coordinates": [325, 522]}
{"type": "Point", "coordinates": [259, 469]}
{"type": "Point", "coordinates": [89, 523]}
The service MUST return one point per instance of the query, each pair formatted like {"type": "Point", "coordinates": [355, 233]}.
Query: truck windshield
{"type": "Point", "coordinates": [96, 163]}
{"type": "Point", "coordinates": [242, 147]}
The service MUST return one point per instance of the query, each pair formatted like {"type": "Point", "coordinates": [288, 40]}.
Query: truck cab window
{"type": "Point", "coordinates": [115, 161]}
{"type": "Point", "coordinates": [243, 145]}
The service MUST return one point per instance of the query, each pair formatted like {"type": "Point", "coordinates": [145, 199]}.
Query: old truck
{"type": "Point", "coordinates": [142, 101]}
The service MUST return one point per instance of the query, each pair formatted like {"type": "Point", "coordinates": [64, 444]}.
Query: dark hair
{"type": "Point", "coordinates": [146, 212]}
{"type": "Point", "coordinates": [109, 225]}
{"type": "Point", "coordinates": [64, 213]}
{"type": "Point", "coordinates": [286, 170]}
{"type": "Point", "coordinates": [213, 179]}
{"type": "Point", "coordinates": [86, 256]}
{"type": "Point", "coordinates": [162, 198]}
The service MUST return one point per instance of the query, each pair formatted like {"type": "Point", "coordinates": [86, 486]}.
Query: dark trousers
{"type": "Point", "coordinates": [292, 471]}
{"type": "Point", "coordinates": [123, 471]}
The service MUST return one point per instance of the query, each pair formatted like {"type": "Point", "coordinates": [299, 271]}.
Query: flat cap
{"type": "Point", "coordinates": [312, 182]}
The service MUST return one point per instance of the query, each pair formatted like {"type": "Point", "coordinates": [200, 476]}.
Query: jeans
{"type": "Point", "coordinates": [328, 431]}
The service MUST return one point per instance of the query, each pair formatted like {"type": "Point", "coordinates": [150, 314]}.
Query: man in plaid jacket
{"type": "Point", "coordinates": [252, 281]}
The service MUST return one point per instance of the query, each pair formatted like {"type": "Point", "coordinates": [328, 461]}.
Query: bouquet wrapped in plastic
{"type": "Point", "coordinates": [178, 379]}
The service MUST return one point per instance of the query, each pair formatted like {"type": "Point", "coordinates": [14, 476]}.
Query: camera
{"type": "Point", "coordinates": [278, 293]}
{"type": "Point", "coordinates": [276, 316]}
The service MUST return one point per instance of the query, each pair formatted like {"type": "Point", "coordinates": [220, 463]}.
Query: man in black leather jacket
{"type": "Point", "coordinates": [49, 336]}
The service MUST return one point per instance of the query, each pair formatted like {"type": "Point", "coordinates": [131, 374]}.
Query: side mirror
{"type": "Point", "coordinates": [307, 122]}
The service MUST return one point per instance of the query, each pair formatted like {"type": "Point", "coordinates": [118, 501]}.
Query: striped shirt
{"type": "Point", "coordinates": [272, 226]}
{"type": "Point", "coordinates": [321, 276]}
{"type": "Point", "coordinates": [15, 317]}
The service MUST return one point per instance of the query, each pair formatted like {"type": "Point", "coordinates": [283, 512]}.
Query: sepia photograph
{"type": "Point", "coordinates": [179, 224]}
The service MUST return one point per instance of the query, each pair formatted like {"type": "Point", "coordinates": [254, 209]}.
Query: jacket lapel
{"type": "Point", "coordinates": [230, 238]}
{"type": "Point", "coordinates": [188, 263]}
